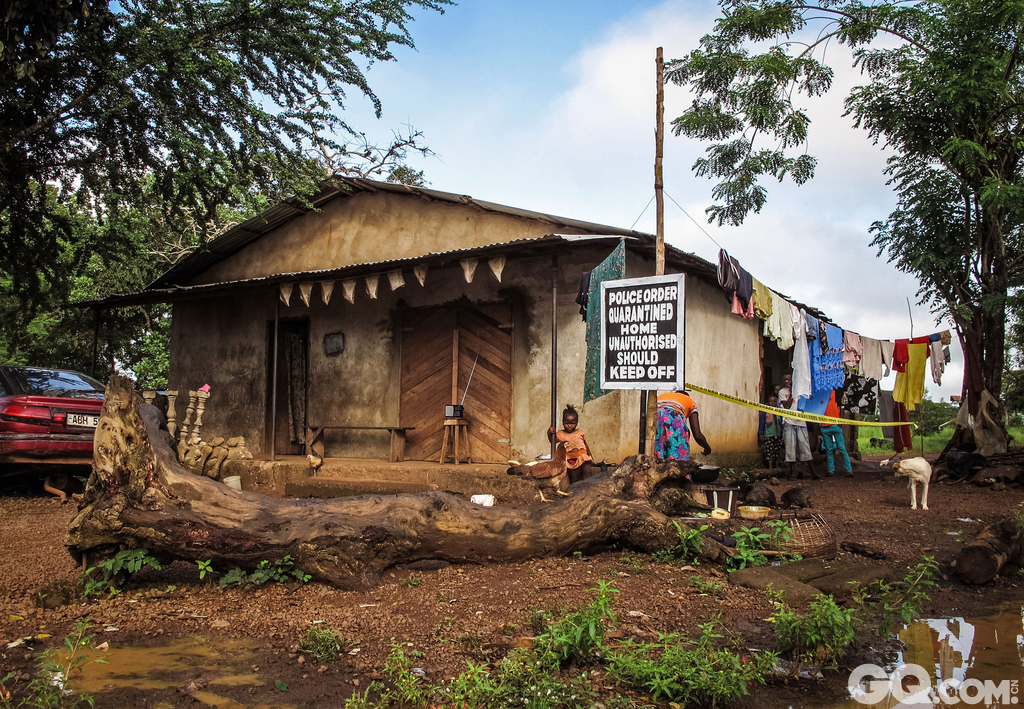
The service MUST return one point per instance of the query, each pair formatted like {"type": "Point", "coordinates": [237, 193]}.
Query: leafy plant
{"type": "Point", "coordinates": [406, 688]}
{"type": "Point", "coordinates": [679, 670]}
{"type": "Point", "coordinates": [819, 636]}
{"type": "Point", "coordinates": [413, 581]}
{"type": "Point", "coordinates": [522, 679]}
{"type": "Point", "coordinates": [50, 689]}
{"type": "Point", "coordinates": [686, 549]}
{"type": "Point", "coordinates": [324, 643]}
{"type": "Point", "coordinates": [205, 567]}
{"type": "Point", "coordinates": [576, 636]}
{"type": "Point", "coordinates": [116, 570]}
{"type": "Point", "coordinates": [779, 532]}
{"type": "Point", "coordinates": [900, 602]}
{"type": "Point", "coordinates": [539, 622]}
{"type": "Point", "coordinates": [280, 571]}
{"type": "Point", "coordinates": [710, 587]}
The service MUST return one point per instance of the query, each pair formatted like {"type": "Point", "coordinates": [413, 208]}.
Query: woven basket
{"type": "Point", "coordinates": [811, 537]}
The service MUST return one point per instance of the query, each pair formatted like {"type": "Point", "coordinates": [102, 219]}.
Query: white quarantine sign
{"type": "Point", "coordinates": [643, 332]}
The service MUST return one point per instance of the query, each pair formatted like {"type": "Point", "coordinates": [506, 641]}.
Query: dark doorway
{"type": "Point", "coordinates": [288, 431]}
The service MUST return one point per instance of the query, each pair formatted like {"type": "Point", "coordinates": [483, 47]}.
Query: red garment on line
{"type": "Point", "coordinates": [900, 356]}
{"type": "Point", "coordinates": [901, 434]}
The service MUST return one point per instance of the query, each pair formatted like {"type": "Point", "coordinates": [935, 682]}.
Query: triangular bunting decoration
{"type": "Point", "coordinates": [421, 273]}
{"type": "Point", "coordinates": [286, 292]}
{"type": "Point", "coordinates": [371, 286]}
{"type": "Point", "coordinates": [348, 289]}
{"type": "Point", "coordinates": [396, 279]}
{"type": "Point", "coordinates": [497, 266]}
{"type": "Point", "coordinates": [326, 288]}
{"type": "Point", "coordinates": [468, 268]}
{"type": "Point", "coordinates": [305, 290]}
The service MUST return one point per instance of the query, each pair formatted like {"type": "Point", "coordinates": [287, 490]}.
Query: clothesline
{"type": "Point", "coordinates": [825, 355]}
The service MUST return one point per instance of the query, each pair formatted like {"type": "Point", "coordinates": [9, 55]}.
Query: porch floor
{"type": "Point", "coordinates": [291, 476]}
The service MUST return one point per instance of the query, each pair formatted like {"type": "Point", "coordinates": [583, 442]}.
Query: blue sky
{"type": "Point", "coordinates": [550, 106]}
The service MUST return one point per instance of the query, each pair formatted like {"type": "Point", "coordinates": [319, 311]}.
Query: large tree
{"type": "Point", "coordinates": [131, 132]}
{"type": "Point", "coordinates": [943, 91]}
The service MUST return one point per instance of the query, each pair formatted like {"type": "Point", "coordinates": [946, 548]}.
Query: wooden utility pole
{"type": "Point", "coordinates": [659, 243]}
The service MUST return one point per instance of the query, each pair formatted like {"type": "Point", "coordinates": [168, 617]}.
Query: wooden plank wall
{"type": "Point", "coordinates": [427, 378]}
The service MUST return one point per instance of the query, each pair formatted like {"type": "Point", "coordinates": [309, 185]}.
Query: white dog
{"type": "Point", "coordinates": [919, 471]}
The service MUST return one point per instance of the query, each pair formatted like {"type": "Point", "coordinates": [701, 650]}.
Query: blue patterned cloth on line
{"type": "Point", "coordinates": [827, 362]}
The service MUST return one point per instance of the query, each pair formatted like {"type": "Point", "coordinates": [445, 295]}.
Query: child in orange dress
{"type": "Point", "coordinates": [577, 451]}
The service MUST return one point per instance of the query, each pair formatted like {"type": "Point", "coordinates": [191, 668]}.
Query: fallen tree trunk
{"type": "Point", "coordinates": [995, 546]}
{"type": "Point", "coordinates": [140, 496]}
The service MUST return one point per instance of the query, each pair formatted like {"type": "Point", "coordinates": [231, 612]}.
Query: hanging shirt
{"type": "Point", "coordinates": [762, 300]}
{"type": "Point", "coordinates": [938, 358]}
{"type": "Point", "coordinates": [827, 359]}
{"type": "Point", "coordinates": [738, 309]}
{"type": "Point", "coordinates": [887, 355]}
{"type": "Point", "coordinates": [728, 275]}
{"type": "Point", "coordinates": [779, 325]}
{"type": "Point", "coordinates": [801, 362]}
{"type": "Point", "coordinates": [945, 337]}
{"type": "Point", "coordinates": [853, 349]}
{"type": "Point", "coordinates": [859, 394]}
{"type": "Point", "coordinates": [900, 356]}
{"type": "Point", "coordinates": [910, 382]}
{"type": "Point", "coordinates": [871, 358]}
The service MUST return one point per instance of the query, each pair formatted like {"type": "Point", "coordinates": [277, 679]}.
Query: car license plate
{"type": "Point", "coordinates": [83, 420]}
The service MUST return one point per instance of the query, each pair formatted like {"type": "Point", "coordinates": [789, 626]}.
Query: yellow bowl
{"type": "Point", "coordinates": [719, 513]}
{"type": "Point", "coordinates": [754, 512]}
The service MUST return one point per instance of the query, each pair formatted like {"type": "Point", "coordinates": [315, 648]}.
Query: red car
{"type": "Point", "coordinates": [47, 416]}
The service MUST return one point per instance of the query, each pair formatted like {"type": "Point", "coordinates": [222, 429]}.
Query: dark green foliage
{"type": "Point", "coordinates": [134, 132]}
{"type": "Point", "coordinates": [686, 551]}
{"type": "Point", "coordinates": [324, 643]}
{"type": "Point", "coordinates": [819, 636]}
{"type": "Point", "coordinates": [900, 602]}
{"type": "Point", "coordinates": [108, 575]}
{"type": "Point", "coordinates": [579, 635]}
{"type": "Point", "coordinates": [279, 571]}
{"type": "Point", "coordinates": [943, 85]}
{"type": "Point", "coordinates": [676, 669]}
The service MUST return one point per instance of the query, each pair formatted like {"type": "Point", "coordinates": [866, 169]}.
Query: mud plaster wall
{"type": "Point", "coordinates": [223, 341]}
{"type": "Point", "coordinates": [388, 226]}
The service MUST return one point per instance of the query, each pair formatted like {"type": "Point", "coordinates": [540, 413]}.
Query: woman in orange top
{"type": "Point", "coordinates": [578, 458]}
{"type": "Point", "coordinates": [677, 419]}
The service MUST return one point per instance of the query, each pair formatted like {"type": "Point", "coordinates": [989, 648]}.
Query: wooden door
{"type": "Point", "coordinates": [439, 349]}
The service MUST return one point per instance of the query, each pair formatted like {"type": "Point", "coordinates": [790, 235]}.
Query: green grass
{"type": "Point", "coordinates": [932, 444]}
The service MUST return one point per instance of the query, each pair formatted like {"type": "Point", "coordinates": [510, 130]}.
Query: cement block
{"type": "Point", "coordinates": [761, 578]}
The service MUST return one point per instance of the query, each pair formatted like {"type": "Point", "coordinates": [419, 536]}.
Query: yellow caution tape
{"type": "Point", "coordinates": [800, 415]}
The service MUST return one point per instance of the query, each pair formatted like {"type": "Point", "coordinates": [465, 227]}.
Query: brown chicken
{"type": "Point", "coordinates": [551, 475]}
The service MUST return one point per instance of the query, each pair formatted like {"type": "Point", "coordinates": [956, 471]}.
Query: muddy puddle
{"type": "Point", "coordinates": [196, 665]}
{"type": "Point", "coordinates": [953, 662]}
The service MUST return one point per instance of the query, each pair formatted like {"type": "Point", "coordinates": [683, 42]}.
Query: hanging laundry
{"type": "Point", "coordinates": [871, 358]}
{"type": "Point", "coordinates": [885, 411]}
{"type": "Point", "coordinates": [779, 325]}
{"type": "Point", "coordinates": [745, 290]}
{"type": "Point", "coordinates": [817, 402]}
{"type": "Point", "coordinates": [888, 349]}
{"type": "Point", "coordinates": [827, 358]}
{"type": "Point", "coordinates": [853, 349]}
{"type": "Point", "coordinates": [901, 434]}
{"type": "Point", "coordinates": [858, 393]}
{"type": "Point", "coordinates": [801, 362]}
{"type": "Point", "coordinates": [728, 275]}
{"type": "Point", "coordinates": [739, 309]}
{"type": "Point", "coordinates": [945, 337]}
{"type": "Point", "coordinates": [899, 356]}
{"type": "Point", "coordinates": [812, 326]}
{"type": "Point", "coordinates": [938, 360]}
{"type": "Point", "coordinates": [910, 382]}
{"type": "Point", "coordinates": [762, 300]}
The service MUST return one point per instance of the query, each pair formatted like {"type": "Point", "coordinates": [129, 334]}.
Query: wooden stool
{"type": "Point", "coordinates": [450, 442]}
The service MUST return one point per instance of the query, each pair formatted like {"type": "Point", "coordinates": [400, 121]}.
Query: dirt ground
{"type": "Point", "coordinates": [452, 614]}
